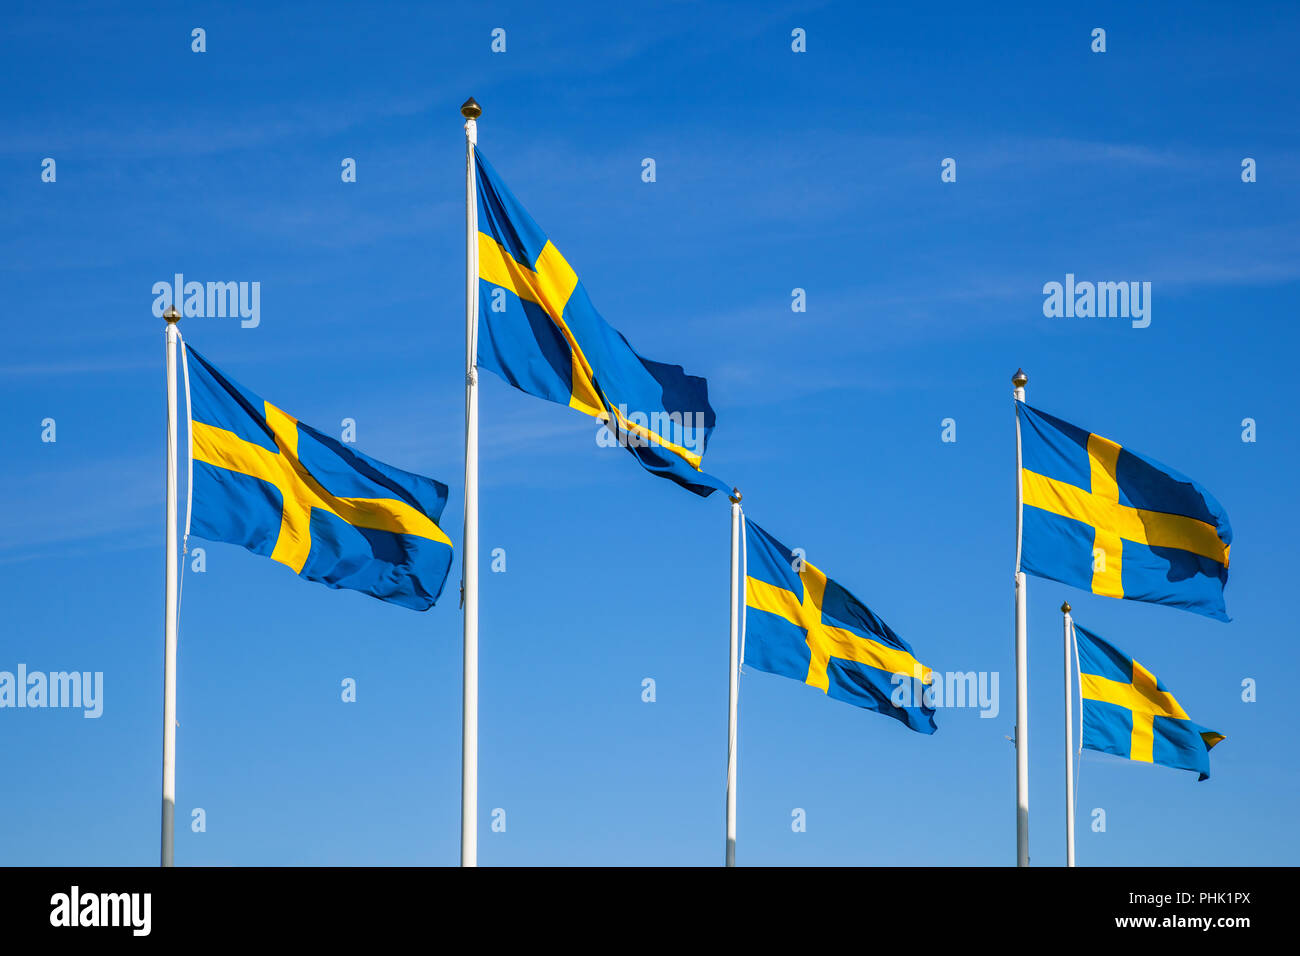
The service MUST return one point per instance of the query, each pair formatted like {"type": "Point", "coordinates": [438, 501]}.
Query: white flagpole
{"type": "Point", "coordinates": [733, 677]}
{"type": "Point", "coordinates": [1020, 380]}
{"type": "Point", "coordinates": [469, 550]}
{"type": "Point", "coordinates": [1069, 743]}
{"type": "Point", "coordinates": [169, 609]}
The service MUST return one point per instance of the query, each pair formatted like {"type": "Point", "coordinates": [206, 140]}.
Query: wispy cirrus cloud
{"type": "Point", "coordinates": [74, 502]}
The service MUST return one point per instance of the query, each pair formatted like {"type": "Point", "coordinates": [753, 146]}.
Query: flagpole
{"type": "Point", "coordinates": [733, 678]}
{"type": "Point", "coordinates": [1020, 380]}
{"type": "Point", "coordinates": [172, 316]}
{"type": "Point", "coordinates": [1069, 743]}
{"type": "Point", "coordinates": [469, 551]}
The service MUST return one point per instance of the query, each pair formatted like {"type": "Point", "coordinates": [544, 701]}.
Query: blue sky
{"type": "Point", "coordinates": [775, 170]}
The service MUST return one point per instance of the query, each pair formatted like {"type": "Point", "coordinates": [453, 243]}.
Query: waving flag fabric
{"type": "Point", "coordinates": [801, 624]}
{"type": "Point", "coordinates": [267, 482]}
{"type": "Point", "coordinates": [540, 332]}
{"type": "Point", "coordinates": [1129, 713]}
{"type": "Point", "coordinates": [1111, 521]}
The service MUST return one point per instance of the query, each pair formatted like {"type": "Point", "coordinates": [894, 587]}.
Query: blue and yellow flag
{"type": "Point", "coordinates": [265, 481]}
{"type": "Point", "coordinates": [540, 332]}
{"type": "Point", "coordinates": [801, 624]}
{"type": "Point", "coordinates": [1127, 712]}
{"type": "Point", "coordinates": [1111, 521]}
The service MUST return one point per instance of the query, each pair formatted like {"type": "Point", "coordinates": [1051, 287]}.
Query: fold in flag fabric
{"type": "Point", "coordinates": [267, 482]}
{"type": "Point", "coordinates": [801, 624]}
{"type": "Point", "coordinates": [539, 331]}
{"type": "Point", "coordinates": [1129, 713]}
{"type": "Point", "coordinates": [1111, 521]}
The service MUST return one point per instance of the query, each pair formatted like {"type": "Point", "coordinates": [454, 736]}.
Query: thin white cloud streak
{"type": "Point", "coordinates": [77, 502]}
{"type": "Point", "coordinates": [205, 136]}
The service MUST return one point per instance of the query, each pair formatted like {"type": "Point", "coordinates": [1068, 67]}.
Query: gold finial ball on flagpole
{"type": "Point", "coordinates": [1020, 379]}
{"type": "Point", "coordinates": [171, 315]}
{"type": "Point", "coordinates": [735, 495]}
{"type": "Point", "coordinates": [470, 109]}
{"type": "Point", "coordinates": [1065, 607]}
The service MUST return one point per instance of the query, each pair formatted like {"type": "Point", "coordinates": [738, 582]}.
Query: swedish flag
{"type": "Point", "coordinates": [1111, 521]}
{"type": "Point", "coordinates": [540, 332]}
{"type": "Point", "coordinates": [266, 481]}
{"type": "Point", "coordinates": [1129, 713]}
{"type": "Point", "coordinates": [801, 624]}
